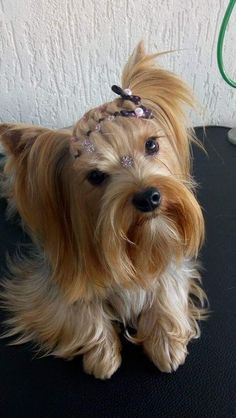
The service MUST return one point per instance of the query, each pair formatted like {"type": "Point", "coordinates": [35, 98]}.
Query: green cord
{"type": "Point", "coordinates": [220, 61]}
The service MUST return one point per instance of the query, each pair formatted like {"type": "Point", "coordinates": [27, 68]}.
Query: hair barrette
{"type": "Point", "coordinates": [140, 111]}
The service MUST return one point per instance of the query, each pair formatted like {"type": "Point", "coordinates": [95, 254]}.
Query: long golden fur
{"type": "Point", "coordinates": [97, 260]}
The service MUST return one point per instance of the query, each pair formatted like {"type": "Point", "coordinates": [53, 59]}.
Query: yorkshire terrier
{"type": "Point", "coordinates": [115, 224]}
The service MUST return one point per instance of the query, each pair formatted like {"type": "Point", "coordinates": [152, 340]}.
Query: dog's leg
{"type": "Point", "coordinates": [94, 336]}
{"type": "Point", "coordinates": [171, 322]}
{"type": "Point", "coordinates": [90, 332]}
{"type": "Point", "coordinates": [39, 313]}
{"type": "Point", "coordinates": [104, 358]}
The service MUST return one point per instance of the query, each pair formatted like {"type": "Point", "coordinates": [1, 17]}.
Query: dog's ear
{"type": "Point", "coordinates": [41, 164]}
{"type": "Point", "coordinates": [16, 137]}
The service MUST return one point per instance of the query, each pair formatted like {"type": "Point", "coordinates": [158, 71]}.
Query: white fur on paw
{"type": "Point", "coordinates": [102, 363]}
{"type": "Point", "coordinates": [166, 354]}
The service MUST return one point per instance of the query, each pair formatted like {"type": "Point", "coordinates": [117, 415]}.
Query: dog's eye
{"type": "Point", "coordinates": [151, 146]}
{"type": "Point", "coordinates": [96, 177]}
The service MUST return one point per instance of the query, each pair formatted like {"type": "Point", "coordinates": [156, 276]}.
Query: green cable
{"type": "Point", "coordinates": [220, 43]}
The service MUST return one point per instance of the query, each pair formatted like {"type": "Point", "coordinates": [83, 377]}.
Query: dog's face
{"type": "Point", "coordinates": [137, 198]}
{"type": "Point", "coordinates": [117, 206]}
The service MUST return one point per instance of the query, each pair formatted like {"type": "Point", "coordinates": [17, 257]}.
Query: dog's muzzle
{"type": "Point", "coordinates": [147, 200]}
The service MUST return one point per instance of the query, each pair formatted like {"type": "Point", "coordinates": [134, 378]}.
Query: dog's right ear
{"type": "Point", "coordinates": [17, 137]}
{"type": "Point", "coordinates": [42, 190]}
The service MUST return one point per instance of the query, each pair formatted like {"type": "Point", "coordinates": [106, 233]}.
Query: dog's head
{"type": "Point", "coordinates": [113, 202]}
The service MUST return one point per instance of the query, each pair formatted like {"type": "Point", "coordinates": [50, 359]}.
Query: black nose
{"type": "Point", "coordinates": [147, 200]}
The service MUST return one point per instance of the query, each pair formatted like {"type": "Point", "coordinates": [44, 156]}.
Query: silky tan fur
{"type": "Point", "coordinates": [95, 260]}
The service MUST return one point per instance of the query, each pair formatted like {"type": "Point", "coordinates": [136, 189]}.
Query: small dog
{"type": "Point", "coordinates": [115, 225]}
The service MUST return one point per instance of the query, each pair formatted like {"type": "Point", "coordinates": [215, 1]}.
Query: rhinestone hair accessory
{"type": "Point", "coordinates": [126, 161]}
{"type": "Point", "coordinates": [88, 146]}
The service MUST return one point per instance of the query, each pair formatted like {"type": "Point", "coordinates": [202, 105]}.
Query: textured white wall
{"type": "Point", "coordinates": [60, 57]}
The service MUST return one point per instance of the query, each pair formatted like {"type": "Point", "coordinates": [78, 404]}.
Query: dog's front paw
{"type": "Point", "coordinates": [102, 360]}
{"type": "Point", "coordinates": [165, 352]}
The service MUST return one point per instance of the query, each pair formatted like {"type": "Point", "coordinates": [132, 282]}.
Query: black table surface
{"type": "Point", "coordinates": [204, 387]}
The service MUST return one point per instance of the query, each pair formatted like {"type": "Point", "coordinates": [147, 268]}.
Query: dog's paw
{"type": "Point", "coordinates": [102, 361]}
{"type": "Point", "coordinates": [166, 352]}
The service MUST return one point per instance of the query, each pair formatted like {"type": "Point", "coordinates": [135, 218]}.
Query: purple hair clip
{"type": "Point", "coordinates": [126, 94]}
{"type": "Point", "coordinates": [140, 111]}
